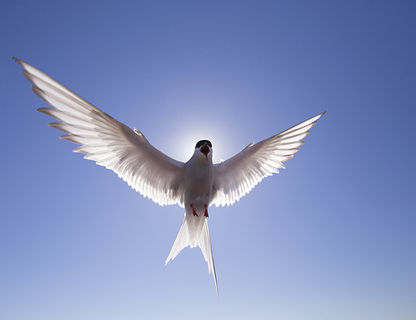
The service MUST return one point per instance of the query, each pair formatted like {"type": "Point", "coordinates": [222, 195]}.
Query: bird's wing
{"type": "Point", "coordinates": [235, 177]}
{"type": "Point", "coordinates": [109, 142]}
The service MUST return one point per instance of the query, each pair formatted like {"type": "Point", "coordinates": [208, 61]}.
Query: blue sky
{"type": "Point", "coordinates": [331, 237]}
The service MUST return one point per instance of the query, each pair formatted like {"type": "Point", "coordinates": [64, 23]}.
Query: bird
{"type": "Point", "coordinates": [195, 185]}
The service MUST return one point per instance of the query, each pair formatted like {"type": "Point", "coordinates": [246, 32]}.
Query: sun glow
{"type": "Point", "coordinates": [189, 136]}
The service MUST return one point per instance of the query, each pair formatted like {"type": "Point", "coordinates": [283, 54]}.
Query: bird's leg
{"type": "Point", "coordinates": [206, 211]}
{"type": "Point", "coordinates": [193, 211]}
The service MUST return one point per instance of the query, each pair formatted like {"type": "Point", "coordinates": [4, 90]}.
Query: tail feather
{"type": "Point", "coordinates": [181, 241]}
{"type": "Point", "coordinates": [203, 241]}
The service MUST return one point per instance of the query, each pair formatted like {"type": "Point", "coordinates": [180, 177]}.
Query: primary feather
{"type": "Point", "coordinates": [109, 142]}
{"type": "Point", "coordinates": [237, 176]}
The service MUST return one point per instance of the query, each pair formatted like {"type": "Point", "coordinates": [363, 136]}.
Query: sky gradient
{"type": "Point", "coordinates": [331, 237]}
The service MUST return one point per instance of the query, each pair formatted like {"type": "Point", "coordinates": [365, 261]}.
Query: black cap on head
{"type": "Point", "coordinates": [202, 142]}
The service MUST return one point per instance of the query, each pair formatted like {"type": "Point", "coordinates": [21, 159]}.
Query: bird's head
{"type": "Point", "coordinates": [203, 149]}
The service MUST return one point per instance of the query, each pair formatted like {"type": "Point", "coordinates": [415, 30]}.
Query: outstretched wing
{"type": "Point", "coordinates": [235, 177]}
{"type": "Point", "coordinates": [109, 142]}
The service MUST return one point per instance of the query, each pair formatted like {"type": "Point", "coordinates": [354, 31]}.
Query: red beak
{"type": "Point", "coordinates": [204, 149]}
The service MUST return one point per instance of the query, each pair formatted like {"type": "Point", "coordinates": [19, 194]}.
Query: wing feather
{"type": "Point", "coordinates": [238, 175]}
{"type": "Point", "coordinates": [109, 142]}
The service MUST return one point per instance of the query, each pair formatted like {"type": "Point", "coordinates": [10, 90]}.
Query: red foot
{"type": "Point", "coordinates": [193, 211]}
{"type": "Point", "coordinates": [206, 211]}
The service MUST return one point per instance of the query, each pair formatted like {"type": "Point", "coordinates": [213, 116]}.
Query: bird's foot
{"type": "Point", "coordinates": [206, 211]}
{"type": "Point", "coordinates": [193, 211]}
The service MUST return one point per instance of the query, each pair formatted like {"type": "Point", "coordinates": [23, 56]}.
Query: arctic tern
{"type": "Point", "coordinates": [194, 185]}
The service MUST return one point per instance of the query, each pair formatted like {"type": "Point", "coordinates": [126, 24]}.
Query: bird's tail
{"type": "Point", "coordinates": [201, 239]}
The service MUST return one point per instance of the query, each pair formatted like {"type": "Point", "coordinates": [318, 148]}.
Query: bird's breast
{"type": "Point", "coordinates": [198, 181]}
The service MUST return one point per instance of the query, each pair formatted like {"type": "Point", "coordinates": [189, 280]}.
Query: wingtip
{"type": "Point", "coordinates": [43, 109]}
{"type": "Point", "coordinates": [318, 116]}
{"type": "Point", "coordinates": [18, 60]}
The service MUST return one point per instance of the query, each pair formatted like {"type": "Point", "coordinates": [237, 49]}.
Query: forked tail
{"type": "Point", "coordinates": [202, 240]}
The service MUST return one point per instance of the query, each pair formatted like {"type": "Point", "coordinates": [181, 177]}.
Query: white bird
{"type": "Point", "coordinates": [195, 185]}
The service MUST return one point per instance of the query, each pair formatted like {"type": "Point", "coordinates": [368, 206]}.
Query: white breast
{"type": "Point", "coordinates": [199, 176]}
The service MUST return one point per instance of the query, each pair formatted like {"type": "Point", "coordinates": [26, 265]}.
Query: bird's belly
{"type": "Point", "coordinates": [198, 189]}
{"type": "Point", "coordinates": [198, 194]}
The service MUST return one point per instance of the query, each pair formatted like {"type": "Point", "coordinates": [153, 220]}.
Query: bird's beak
{"type": "Point", "coordinates": [205, 150]}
